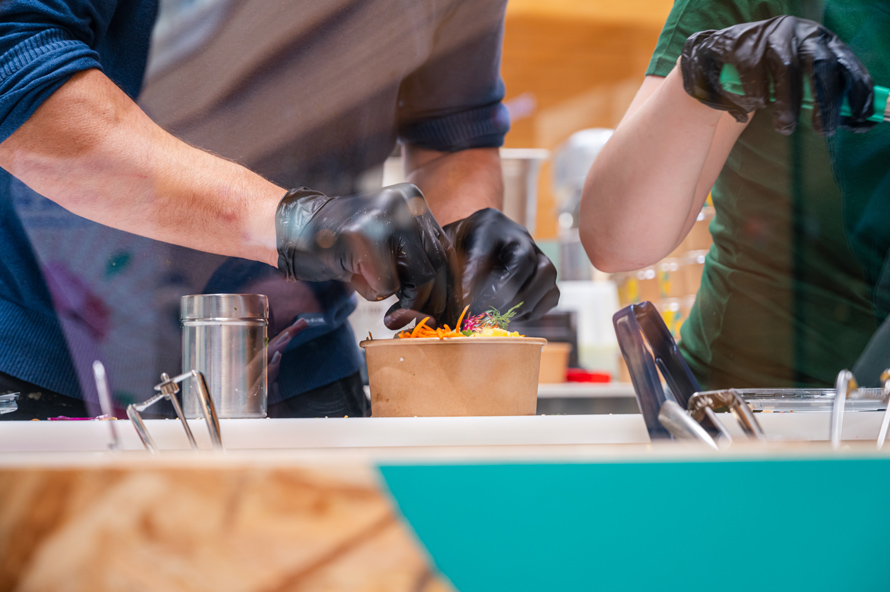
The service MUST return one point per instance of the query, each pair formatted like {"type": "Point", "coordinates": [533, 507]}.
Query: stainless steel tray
{"type": "Point", "coordinates": [804, 400]}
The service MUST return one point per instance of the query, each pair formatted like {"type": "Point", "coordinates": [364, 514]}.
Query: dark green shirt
{"type": "Point", "coordinates": [789, 286]}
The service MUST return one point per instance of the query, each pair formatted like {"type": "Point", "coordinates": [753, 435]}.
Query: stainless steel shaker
{"type": "Point", "coordinates": [224, 337]}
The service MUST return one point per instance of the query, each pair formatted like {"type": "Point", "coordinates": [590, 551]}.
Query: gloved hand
{"type": "Point", "coordinates": [500, 266]}
{"type": "Point", "coordinates": [780, 52]}
{"type": "Point", "coordinates": [382, 243]}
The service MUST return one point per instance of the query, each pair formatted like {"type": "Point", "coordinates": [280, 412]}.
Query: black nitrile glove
{"type": "Point", "coordinates": [501, 266]}
{"type": "Point", "coordinates": [780, 52]}
{"type": "Point", "coordinates": [382, 243]}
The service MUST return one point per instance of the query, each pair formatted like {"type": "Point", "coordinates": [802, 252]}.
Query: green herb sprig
{"type": "Point", "coordinates": [492, 319]}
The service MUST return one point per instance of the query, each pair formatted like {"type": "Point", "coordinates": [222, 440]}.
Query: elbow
{"type": "Point", "coordinates": [609, 249]}
{"type": "Point", "coordinates": [596, 236]}
{"type": "Point", "coordinates": [603, 258]}
{"type": "Point", "coordinates": [601, 247]}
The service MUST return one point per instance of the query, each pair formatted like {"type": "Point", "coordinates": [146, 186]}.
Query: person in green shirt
{"type": "Point", "coordinates": [791, 290]}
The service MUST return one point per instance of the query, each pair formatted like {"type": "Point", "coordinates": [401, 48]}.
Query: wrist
{"type": "Point", "coordinates": [293, 214]}
{"type": "Point", "coordinates": [258, 232]}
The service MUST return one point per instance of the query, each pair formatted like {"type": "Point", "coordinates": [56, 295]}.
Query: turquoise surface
{"type": "Point", "coordinates": [744, 525]}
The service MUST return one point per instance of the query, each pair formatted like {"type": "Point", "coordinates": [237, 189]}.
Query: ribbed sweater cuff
{"type": "Point", "coordinates": [483, 127]}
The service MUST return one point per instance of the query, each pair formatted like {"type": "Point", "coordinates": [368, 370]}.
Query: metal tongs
{"type": "Point", "coordinates": [649, 349]}
{"type": "Point", "coordinates": [706, 404]}
{"type": "Point", "coordinates": [685, 412]}
{"type": "Point", "coordinates": [167, 389]}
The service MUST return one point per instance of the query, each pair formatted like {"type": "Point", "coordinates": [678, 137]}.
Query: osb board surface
{"type": "Point", "coordinates": [251, 529]}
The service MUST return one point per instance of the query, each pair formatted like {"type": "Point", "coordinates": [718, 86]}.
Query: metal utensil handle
{"type": "Point", "coordinates": [208, 409]}
{"type": "Point", "coordinates": [681, 425]}
{"type": "Point", "coordinates": [746, 418]}
{"type": "Point", "coordinates": [168, 389]}
{"type": "Point", "coordinates": [844, 387]}
{"type": "Point", "coordinates": [134, 413]}
{"type": "Point", "coordinates": [104, 391]}
{"type": "Point", "coordinates": [702, 406]}
{"type": "Point", "coordinates": [727, 437]}
{"type": "Point", "coordinates": [885, 421]}
{"type": "Point", "coordinates": [632, 325]}
{"type": "Point", "coordinates": [141, 429]}
{"type": "Point", "coordinates": [731, 82]}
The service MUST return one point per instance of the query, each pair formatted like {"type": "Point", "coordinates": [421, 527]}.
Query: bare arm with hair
{"type": "Point", "coordinates": [93, 151]}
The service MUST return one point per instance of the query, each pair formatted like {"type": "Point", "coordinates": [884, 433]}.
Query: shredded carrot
{"type": "Point", "coordinates": [422, 331]}
{"type": "Point", "coordinates": [418, 327]}
{"type": "Point", "coordinates": [461, 318]}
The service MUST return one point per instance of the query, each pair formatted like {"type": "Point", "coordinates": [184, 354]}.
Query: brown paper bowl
{"type": "Point", "coordinates": [453, 377]}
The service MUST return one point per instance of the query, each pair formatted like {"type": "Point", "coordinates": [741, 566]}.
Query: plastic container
{"type": "Point", "coordinates": [453, 377]}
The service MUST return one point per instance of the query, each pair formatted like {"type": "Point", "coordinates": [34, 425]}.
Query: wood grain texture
{"type": "Point", "coordinates": [240, 529]}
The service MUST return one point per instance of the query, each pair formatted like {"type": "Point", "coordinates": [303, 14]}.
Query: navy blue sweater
{"type": "Point", "coordinates": [42, 44]}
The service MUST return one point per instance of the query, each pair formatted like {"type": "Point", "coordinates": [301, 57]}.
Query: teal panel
{"type": "Point", "coordinates": [752, 525]}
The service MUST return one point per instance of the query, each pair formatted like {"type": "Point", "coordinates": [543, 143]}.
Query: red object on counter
{"type": "Point", "coordinates": [579, 375]}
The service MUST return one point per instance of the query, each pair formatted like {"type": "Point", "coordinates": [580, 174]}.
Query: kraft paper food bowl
{"type": "Point", "coordinates": [453, 377]}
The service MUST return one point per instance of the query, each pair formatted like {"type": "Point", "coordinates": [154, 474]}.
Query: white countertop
{"type": "Point", "coordinates": [282, 434]}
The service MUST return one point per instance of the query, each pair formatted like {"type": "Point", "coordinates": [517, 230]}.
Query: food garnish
{"type": "Point", "coordinates": [492, 323]}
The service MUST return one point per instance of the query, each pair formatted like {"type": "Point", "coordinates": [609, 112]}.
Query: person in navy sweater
{"type": "Point", "coordinates": [77, 150]}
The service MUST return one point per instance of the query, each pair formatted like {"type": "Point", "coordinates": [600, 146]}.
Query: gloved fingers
{"type": "Point", "coordinates": [372, 265]}
{"type": "Point", "coordinates": [548, 302]}
{"type": "Point", "coordinates": [708, 59]}
{"type": "Point", "coordinates": [860, 97]}
{"type": "Point", "coordinates": [407, 308]}
{"type": "Point", "coordinates": [701, 64]}
{"type": "Point", "coordinates": [859, 91]}
{"type": "Point", "coordinates": [696, 81]}
{"type": "Point", "coordinates": [417, 286]}
{"type": "Point", "coordinates": [828, 80]}
{"type": "Point", "coordinates": [397, 317]}
{"type": "Point", "coordinates": [421, 259]}
{"type": "Point", "coordinates": [538, 288]}
{"type": "Point", "coordinates": [752, 83]}
{"type": "Point", "coordinates": [433, 300]}
{"type": "Point", "coordinates": [437, 246]}
{"type": "Point", "coordinates": [750, 47]}
{"type": "Point", "coordinates": [788, 90]}
{"type": "Point", "coordinates": [514, 264]}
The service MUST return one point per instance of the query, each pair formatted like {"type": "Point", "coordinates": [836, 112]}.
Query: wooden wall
{"type": "Point", "coordinates": [570, 65]}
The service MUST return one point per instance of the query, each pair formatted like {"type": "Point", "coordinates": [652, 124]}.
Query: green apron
{"type": "Point", "coordinates": [789, 291]}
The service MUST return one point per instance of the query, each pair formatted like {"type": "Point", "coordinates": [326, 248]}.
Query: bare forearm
{"type": "Point", "coordinates": [457, 184]}
{"type": "Point", "coordinates": [649, 182]}
{"type": "Point", "coordinates": [93, 151]}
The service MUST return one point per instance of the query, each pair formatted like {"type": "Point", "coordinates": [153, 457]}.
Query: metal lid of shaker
{"type": "Point", "coordinates": [224, 307]}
